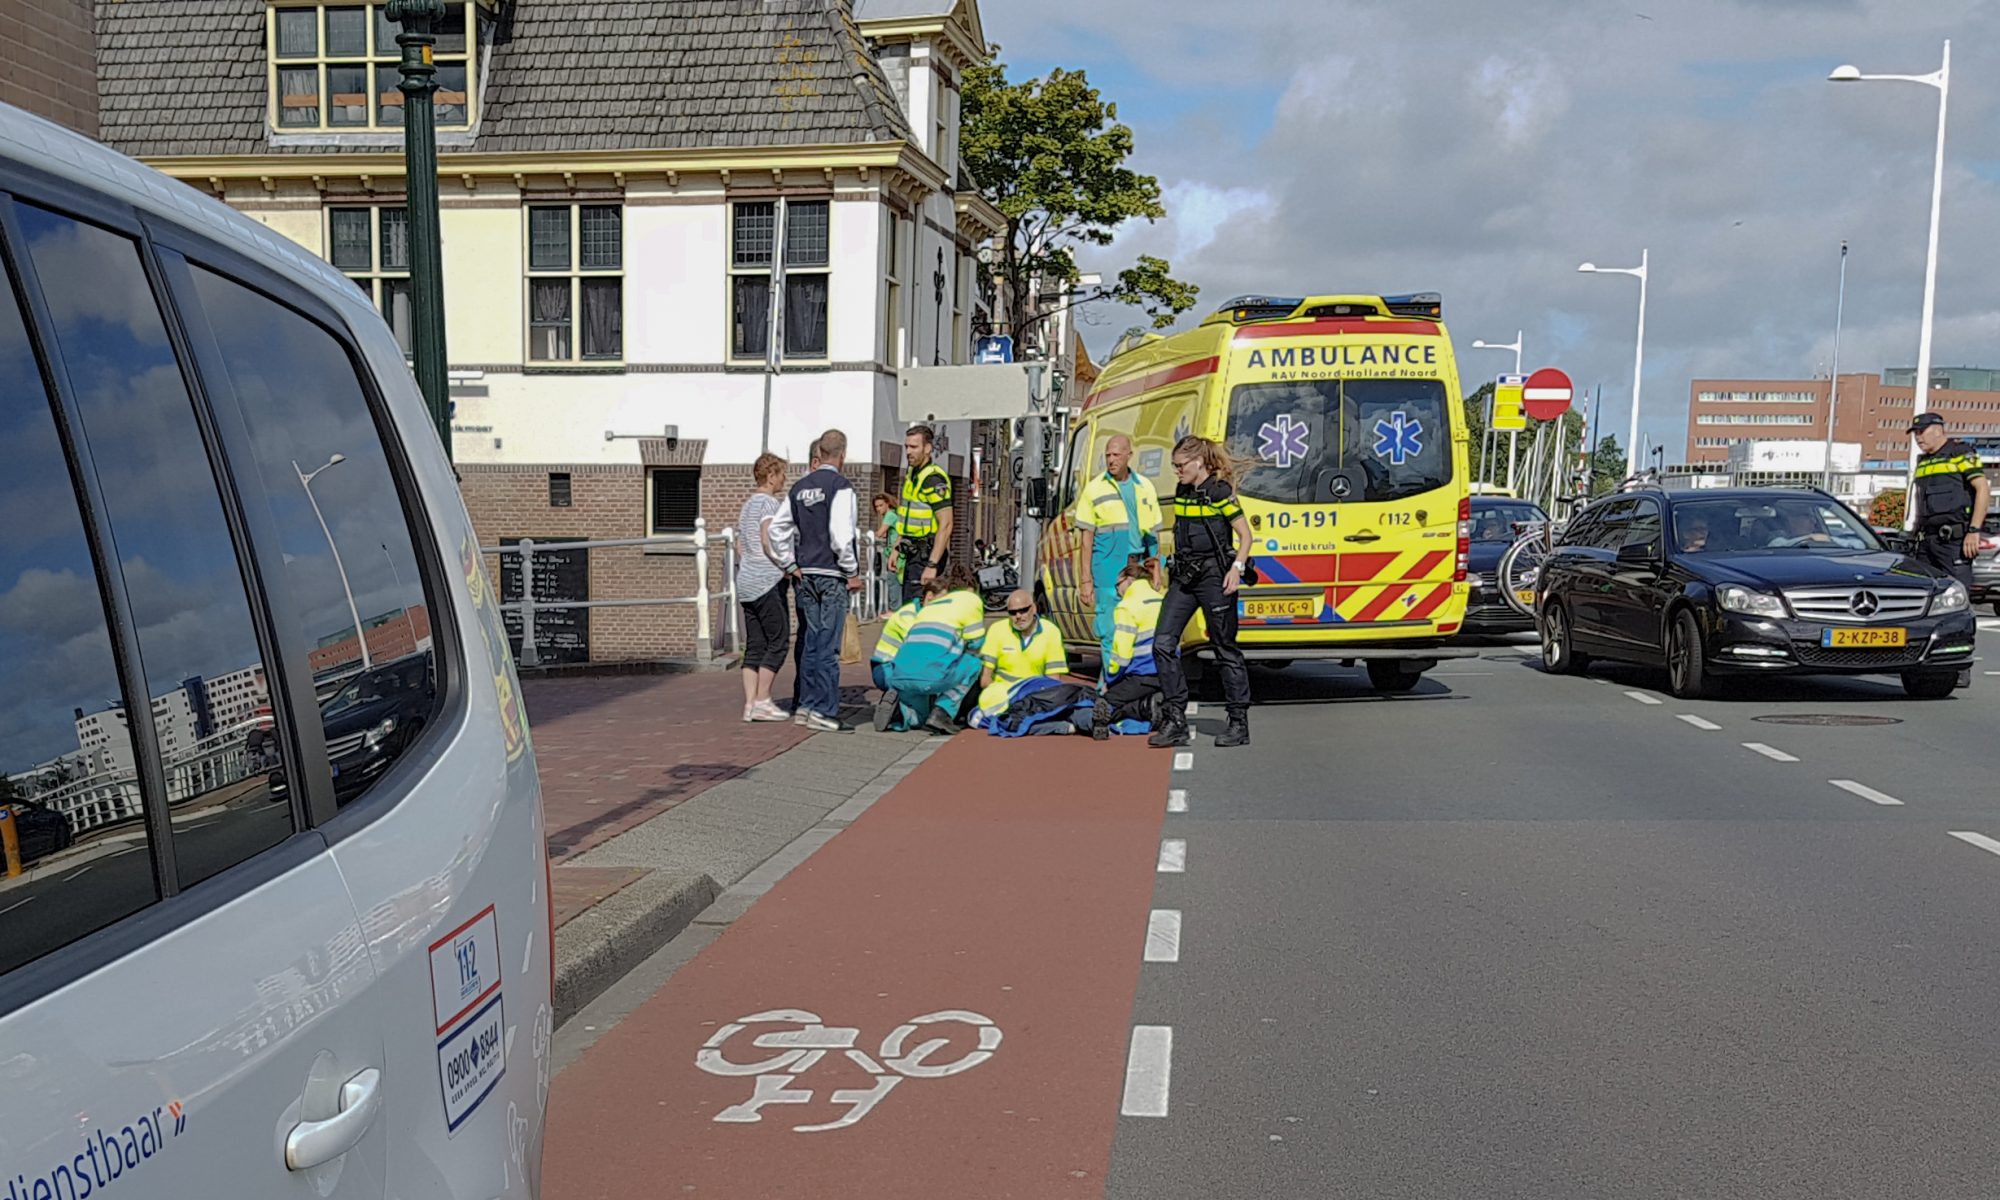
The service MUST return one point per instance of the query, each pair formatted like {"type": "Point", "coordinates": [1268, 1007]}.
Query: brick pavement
{"type": "Point", "coordinates": [615, 752]}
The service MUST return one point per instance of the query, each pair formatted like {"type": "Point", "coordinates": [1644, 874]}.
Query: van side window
{"type": "Point", "coordinates": [349, 555]}
{"type": "Point", "coordinates": [1080, 466]}
{"type": "Point", "coordinates": [67, 776]}
{"type": "Point", "coordinates": [205, 674]}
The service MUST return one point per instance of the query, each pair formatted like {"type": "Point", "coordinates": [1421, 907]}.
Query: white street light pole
{"type": "Point", "coordinates": [305, 481]}
{"type": "Point", "coordinates": [1513, 436]}
{"type": "Point", "coordinates": [1638, 353]}
{"type": "Point", "coordinates": [1833, 385]}
{"type": "Point", "coordinates": [1941, 80]}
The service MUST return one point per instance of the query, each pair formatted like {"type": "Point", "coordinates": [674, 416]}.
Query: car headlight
{"type": "Point", "coordinates": [1744, 600]}
{"type": "Point", "coordinates": [1952, 599]}
{"type": "Point", "coordinates": [380, 733]}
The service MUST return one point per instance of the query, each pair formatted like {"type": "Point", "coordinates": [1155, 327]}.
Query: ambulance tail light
{"type": "Point", "coordinates": [1464, 539]}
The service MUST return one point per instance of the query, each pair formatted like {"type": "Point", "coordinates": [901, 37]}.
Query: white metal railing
{"type": "Point", "coordinates": [702, 600]}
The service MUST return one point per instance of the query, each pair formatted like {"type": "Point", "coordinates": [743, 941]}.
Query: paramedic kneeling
{"type": "Point", "coordinates": [1131, 683]}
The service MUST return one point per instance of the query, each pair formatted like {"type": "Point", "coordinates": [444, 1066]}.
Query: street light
{"type": "Point", "coordinates": [1513, 436]}
{"type": "Point", "coordinates": [305, 481]}
{"type": "Point", "coordinates": [1833, 386]}
{"type": "Point", "coordinates": [1941, 80]}
{"type": "Point", "coordinates": [417, 39]}
{"type": "Point", "coordinates": [1638, 353]}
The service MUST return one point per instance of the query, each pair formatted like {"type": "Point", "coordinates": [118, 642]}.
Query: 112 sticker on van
{"type": "Point", "coordinates": [465, 999]}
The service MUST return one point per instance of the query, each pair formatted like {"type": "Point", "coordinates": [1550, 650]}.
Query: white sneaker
{"type": "Point", "coordinates": [764, 710]}
{"type": "Point", "coordinates": [800, 717]}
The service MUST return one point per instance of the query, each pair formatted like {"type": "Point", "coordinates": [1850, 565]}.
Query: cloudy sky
{"type": "Point", "coordinates": [1484, 149]}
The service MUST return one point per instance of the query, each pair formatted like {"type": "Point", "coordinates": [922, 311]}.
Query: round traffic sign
{"type": "Point", "coordinates": [1547, 394]}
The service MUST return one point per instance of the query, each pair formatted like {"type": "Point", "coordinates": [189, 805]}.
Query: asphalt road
{"type": "Point", "coordinates": [1516, 935]}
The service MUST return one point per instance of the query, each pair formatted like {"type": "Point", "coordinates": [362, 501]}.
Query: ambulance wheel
{"type": "Point", "coordinates": [1391, 675]}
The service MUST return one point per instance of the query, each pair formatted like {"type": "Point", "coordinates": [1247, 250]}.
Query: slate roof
{"type": "Point", "coordinates": [187, 77]}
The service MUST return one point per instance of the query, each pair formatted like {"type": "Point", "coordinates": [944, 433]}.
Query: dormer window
{"type": "Point", "coordinates": [333, 67]}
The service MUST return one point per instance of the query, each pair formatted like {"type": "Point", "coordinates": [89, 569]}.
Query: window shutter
{"type": "Point", "coordinates": [676, 499]}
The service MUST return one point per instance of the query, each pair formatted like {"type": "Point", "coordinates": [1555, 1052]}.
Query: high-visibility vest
{"type": "Point", "coordinates": [1015, 658]}
{"type": "Point", "coordinates": [1137, 614]}
{"type": "Point", "coordinates": [924, 489]}
{"type": "Point", "coordinates": [949, 624]}
{"type": "Point", "coordinates": [1102, 506]}
{"type": "Point", "coordinates": [894, 630]}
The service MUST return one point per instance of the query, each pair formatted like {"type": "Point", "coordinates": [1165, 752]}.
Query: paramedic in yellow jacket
{"type": "Point", "coordinates": [894, 630]}
{"type": "Point", "coordinates": [1016, 650]}
{"type": "Point", "coordinates": [1118, 513]}
{"type": "Point", "coordinates": [938, 662]}
{"type": "Point", "coordinates": [1130, 686]}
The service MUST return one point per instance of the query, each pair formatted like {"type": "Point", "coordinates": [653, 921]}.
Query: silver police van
{"type": "Point", "coordinates": [274, 910]}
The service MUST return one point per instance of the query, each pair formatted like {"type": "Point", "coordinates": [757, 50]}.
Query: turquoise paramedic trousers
{"type": "Point", "coordinates": [923, 681]}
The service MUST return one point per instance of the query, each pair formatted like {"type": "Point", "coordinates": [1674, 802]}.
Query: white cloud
{"type": "Point", "coordinates": [1485, 150]}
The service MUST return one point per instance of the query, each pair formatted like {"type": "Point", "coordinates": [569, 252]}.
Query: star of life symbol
{"type": "Point", "coordinates": [1399, 438]}
{"type": "Point", "coordinates": [809, 1041]}
{"type": "Point", "coordinates": [1282, 441]}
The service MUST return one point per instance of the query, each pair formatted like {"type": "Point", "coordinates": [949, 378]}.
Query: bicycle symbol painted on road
{"type": "Point", "coordinates": [802, 1047]}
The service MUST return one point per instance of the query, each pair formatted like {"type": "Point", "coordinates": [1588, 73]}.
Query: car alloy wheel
{"type": "Point", "coordinates": [1685, 675]}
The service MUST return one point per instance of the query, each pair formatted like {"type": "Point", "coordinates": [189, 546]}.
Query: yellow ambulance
{"type": "Point", "coordinates": [1346, 416]}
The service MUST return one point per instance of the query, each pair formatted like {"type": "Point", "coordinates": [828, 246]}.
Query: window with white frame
{"type": "Point", "coordinates": [332, 67]}
{"type": "Point", "coordinates": [893, 266]}
{"type": "Point", "coordinates": [807, 274]}
{"type": "Point", "coordinates": [372, 247]}
{"type": "Point", "coordinates": [576, 283]}
{"type": "Point", "coordinates": [941, 97]}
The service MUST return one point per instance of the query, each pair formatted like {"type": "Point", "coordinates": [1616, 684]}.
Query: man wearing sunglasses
{"type": "Point", "coordinates": [1022, 648]}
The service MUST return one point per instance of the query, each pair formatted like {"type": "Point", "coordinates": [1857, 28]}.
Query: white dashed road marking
{"type": "Point", "coordinates": [1163, 936]}
{"type": "Point", "coordinates": [1149, 1070]}
{"type": "Point", "coordinates": [1176, 800]}
{"type": "Point", "coordinates": [1977, 839]}
{"type": "Point", "coordinates": [1173, 856]}
{"type": "Point", "coordinates": [1770, 752]}
{"type": "Point", "coordinates": [1184, 760]}
{"type": "Point", "coordinates": [1194, 708]}
{"type": "Point", "coordinates": [1643, 698]}
{"type": "Point", "coordinates": [1698, 722]}
{"type": "Point", "coordinates": [1864, 791]}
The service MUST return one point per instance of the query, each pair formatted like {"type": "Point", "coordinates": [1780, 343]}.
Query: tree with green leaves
{"type": "Point", "coordinates": [1050, 154]}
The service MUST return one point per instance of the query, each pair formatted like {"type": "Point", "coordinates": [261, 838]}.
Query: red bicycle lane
{"type": "Point", "coordinates": [942, 997]}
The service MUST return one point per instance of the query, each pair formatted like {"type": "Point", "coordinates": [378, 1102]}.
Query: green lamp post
{"type": "Point", "coordinates": [418, 38]}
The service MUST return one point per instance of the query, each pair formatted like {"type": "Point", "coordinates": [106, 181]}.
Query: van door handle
{"type": "Point", "coordinates": [311, 1143]}
{"type": "Point", "coordinates": [1364, 537]}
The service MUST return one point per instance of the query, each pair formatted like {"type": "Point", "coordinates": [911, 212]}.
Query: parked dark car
{"type": "Point", "coordinates": [41, 830]}
{"type": "Point", "coordinates": [1496, 525]}
{"type": "Point", "coordinates": [372, 717]}
{"type": "Point", "coordinates": [1745, 581]}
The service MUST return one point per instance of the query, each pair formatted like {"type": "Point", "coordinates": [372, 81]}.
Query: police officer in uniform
{"type": "Point", "coordinates": [926, 514]}
{"type": "Point", "coordinates": [1211, 542]}
{"type": "Point", "coordinates": [1951, 499]}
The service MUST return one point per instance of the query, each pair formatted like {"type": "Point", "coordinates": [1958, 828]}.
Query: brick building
{"type": "Point", "coordinates": [1728, 412]}
{"type": "Point", "coordinates": [626, 188]}
{"type": "Point", "coordinates": [48, 60]}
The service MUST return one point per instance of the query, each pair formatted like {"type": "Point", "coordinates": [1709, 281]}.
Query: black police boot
{"type": "Point", "coordinates": [1100, 720]}
{"type": "Point", "coordinates": [1171, 731]}
{"type": "Point", "coordinates": [1238, 731]}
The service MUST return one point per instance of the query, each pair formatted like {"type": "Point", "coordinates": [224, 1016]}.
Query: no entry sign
{"type": "Point", "coordinates": [1547, 394]}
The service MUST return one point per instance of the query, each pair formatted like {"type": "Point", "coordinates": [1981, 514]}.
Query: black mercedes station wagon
{"type": "Point", "coordinates": [1738, 581]}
